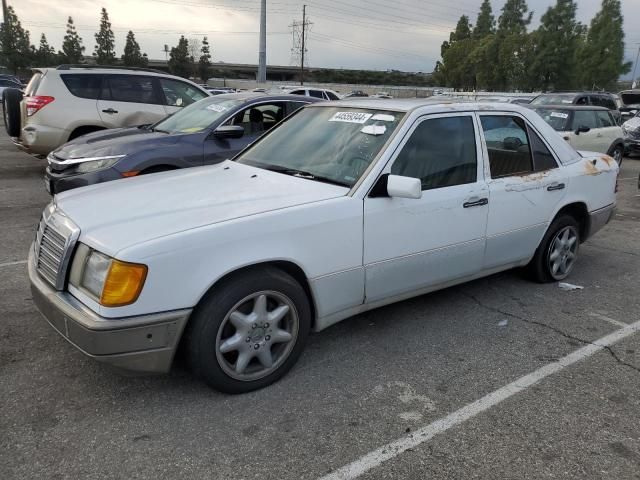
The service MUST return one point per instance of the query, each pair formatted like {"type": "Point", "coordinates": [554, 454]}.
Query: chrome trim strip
{"type": "Point", "coordinates": [52, 159]}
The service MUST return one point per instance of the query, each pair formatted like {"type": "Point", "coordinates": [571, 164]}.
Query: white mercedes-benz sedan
{"type": "Point", "coordinates": [344, 207]}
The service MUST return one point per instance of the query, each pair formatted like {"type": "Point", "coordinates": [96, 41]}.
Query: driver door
{"type": "Point", "coordinates": [414, 244]}
{"type": "Point", "coordinates": [255, 119]}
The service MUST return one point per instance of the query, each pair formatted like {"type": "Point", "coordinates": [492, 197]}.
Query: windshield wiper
{"type": "Point", "coordinates": [304, 174]}
{"type": "Point", "coordinates": [159, 130]}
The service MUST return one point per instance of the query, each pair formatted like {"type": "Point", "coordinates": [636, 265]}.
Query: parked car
{"type": "Point", "coordinates": [237, 262]}
{"type": "Point", "coordinates": [631, 131]}
{"type": "Point", "coordinates": [205, 132]}
{"type": "Point", "coordinates": [322, 93]}
{"type": "Point", "coordinates": [596, 99]}
{"type": "Point", "coordinates": [381, 95]}
{"type": "Point", "coordinates": [355, 94]}
{"type": "Point", "coordinates": [630, 103]}
{"type": "Point", "coordinates": [63, 103]}
{"type": "Point", "coordinates": [586, 128]}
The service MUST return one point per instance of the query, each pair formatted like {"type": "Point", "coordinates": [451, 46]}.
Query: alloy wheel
{"type": "Point", "coordinates": [563, 252]}
{"type": "Point", "coordinates": [257, 335]}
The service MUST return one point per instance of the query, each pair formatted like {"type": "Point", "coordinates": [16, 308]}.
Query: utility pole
{"type": "Point", "coordinates": [304, 24]}
{"type": "Point", "coordinates": [262, 53]}
{"type": "Point", "coordinates": [634, 83]}
{"type": "Point", "coordinates": [5, 11]}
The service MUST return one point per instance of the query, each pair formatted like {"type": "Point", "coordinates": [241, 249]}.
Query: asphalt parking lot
{"type": "Point", "coordinates": [476, 381]}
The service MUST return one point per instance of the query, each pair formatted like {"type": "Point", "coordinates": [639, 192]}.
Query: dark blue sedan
{"type": "Point", "coordinates": [206, 132]}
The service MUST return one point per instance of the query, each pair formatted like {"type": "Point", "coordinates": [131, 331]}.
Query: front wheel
{"type": "Point", "coordinates": [618, 154]}
{"type": "Point", "coordinates": [249, 331]}
{"type": "Point", "coordinates": [557, 253]}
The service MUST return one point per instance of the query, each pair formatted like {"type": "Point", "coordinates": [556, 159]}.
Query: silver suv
{"type": "Point", "coordinates": [62, 103]}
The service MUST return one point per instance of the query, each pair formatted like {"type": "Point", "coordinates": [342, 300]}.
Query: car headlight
{"type": "Point", "coordinates": [111, 282]}
{"type": "Point", "coordinates": [97, 163]}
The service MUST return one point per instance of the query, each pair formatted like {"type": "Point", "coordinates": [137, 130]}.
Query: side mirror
{"type": "Point", "coordinates": [404, 187]}
{"type": "Point", "coordinates": [229, 131]}
{"type": "Point", "coordinates": [582, 129]}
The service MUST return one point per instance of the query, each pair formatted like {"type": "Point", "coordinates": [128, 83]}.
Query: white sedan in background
{"type": "Point", "coordinates": [345, 207]}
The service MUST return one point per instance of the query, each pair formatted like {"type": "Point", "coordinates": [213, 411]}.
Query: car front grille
{"type": "Point", "coordinates": [634, 133]}
{"type": "Point", "coordinates": [55, 239]}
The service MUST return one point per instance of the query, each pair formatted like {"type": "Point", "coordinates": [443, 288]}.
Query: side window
{"type": "Point", "coordinates": [331, 96]}
{"type": "Point", "coordinates": [295, 106]}
{"type": "Point", "coordinates": [584, 118]}
{"type": "Point", "coordinates": [604, 119]}
{"type": "Point", "coordinates": [507, 144]}
{"type": "Point", "coordinates": [596, 101]}
{"type": "Point", "coordinates": [582, 101]}
{"type": "Point", "coordinates": [440, 152]}
{"type": "Point", "coordinates": [316, 94]}
{"type": "Point", "coordinates": [179, 94]}
{"type": "Point", "coordinates": [129, 88]}
{"type": "Point", "coordinates": [258, 118]}
{"type": "Point", "coordinates": [299, 92]}
{"type": "Point", "coordinates": [542, 156]}
{"type": "Point", "coordinates": [610, 104]}
{"type": "Point", "coordinates": [83, 85]}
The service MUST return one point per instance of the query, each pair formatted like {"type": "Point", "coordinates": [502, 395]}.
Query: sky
{"type": "Point", "coordinates": [373, 34]}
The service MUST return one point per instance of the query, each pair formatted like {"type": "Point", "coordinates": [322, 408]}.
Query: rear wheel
{"type": "Point", "coordinates": [248, 332]}
{"type": "Point", "coordinates": [11, 98]}
{"type": "Point", "coordinates": [556, 256]}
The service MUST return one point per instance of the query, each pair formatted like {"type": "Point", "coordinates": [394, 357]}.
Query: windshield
{"type": "Point", "coordinates": [197, 116]}
{"type": "Point", "coordinates": [553, 100]}
{"type": "Point", "coordinates": [555, 117]}
{"type": "Point", "coordinates": [631, 98]}
{"type": "Point", "coordinates": [334, 144]}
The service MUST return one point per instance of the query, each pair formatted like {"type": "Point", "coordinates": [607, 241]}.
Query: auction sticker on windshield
{"type": "Point", "coordinates": [216, 108]}
{"type": "Point", "coordinates": [559, 115]}
{"type": "Point", "coordinates": [351, 117]}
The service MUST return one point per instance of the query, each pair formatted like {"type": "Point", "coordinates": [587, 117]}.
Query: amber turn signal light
{"type": "Point", "coordinates": [123, 284]}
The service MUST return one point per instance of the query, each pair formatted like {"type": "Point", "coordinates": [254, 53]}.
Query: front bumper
{"type": "Point", "coordinates": [599, 218]}
{"type": "Point", "coordinates": [632, 144]}
{"type": "Point", "coordinates": [57, 182]}
{"type": "Point", "coordinates": [145, 343]}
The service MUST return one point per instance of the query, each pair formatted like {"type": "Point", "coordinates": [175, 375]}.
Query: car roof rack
{"type": "Point", "coordinates": [69, 66]}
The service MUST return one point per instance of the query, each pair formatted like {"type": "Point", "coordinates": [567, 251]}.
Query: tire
{"type": "Point", "coordinates": [230, 325]}
{"type": "Point", "coordinates": [618, 154]}
{"type": "Point", "coordinates": [11, 98]}
{"type": "Point", "coordinates": [541, 268]}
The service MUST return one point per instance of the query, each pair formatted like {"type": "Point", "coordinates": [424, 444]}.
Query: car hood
{"type": "Point", "coordinates": [632, 124]}
{"type": "Point", "coordinates": [115, 215]}
{"type": "Point", "coordinates": [117, 141]}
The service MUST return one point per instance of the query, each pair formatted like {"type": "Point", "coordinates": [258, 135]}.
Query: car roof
{"type": "Point", "coordinates": [569, 107]}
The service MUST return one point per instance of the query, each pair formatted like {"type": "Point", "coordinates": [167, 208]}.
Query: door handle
{"type": "Point", "coordinates": [476, 203]}
{"type": "Point", "coordinates": [555, 186]}
{"type": "Point", "coordinates": [110, 111]}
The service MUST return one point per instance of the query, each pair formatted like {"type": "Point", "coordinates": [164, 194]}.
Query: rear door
{"type": "Point", "coordinates": [608, 132]}
{"type": "Point", "coordinates": [130, 100]}
{"type": "Point", "coordinates": [525, 187]}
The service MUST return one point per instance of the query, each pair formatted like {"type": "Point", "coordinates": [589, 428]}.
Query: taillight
{"type": "Point", "coordinates": [36, 102]}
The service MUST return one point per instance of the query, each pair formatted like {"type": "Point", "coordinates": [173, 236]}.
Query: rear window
{"type": "Point", "coordinates": [34, 83]}
{"type": "Point", "coordinates": [631, 98]}
{"type": "Point", "coordinates": [83, 85]}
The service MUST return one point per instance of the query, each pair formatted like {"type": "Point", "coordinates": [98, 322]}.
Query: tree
{"type": "Point", "coordinates": [45, 55]}
{"type": "Point", "coordinates": [133, 57]}
{"type": "Point", "coordinates": [179, 62]}
{"type": "Point", "coordinates": [72, 48]}
{"type": "Point", "coordinates": [204, 63]}
{"type": "Point", "coordinates": [15, 48]}
{"type": "Point", "coordinates": [512, 45]}
{"type": "Point", "coordinates": [602, 55]}
{"type": "Point", "coordinates": [105, 41]}
{"type": "Point", "coordinates": [554, 62]}
{"type": "Point", "coordinates": [486, 23]}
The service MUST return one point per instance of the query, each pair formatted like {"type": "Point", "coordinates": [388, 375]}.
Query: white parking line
{"type": "Point", "coordinates": [7, 264]}
{"type": "Point", "coordinates": [612, 321]}
{"type": "Point", "coordinates": [424, 434]}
